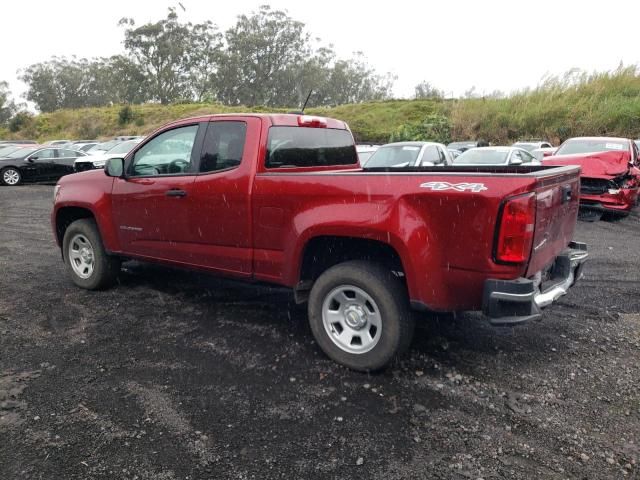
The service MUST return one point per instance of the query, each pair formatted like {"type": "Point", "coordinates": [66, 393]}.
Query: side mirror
{"type": "Point", "coordinates": [114, 167]}
{"type": "Point", "coordinates": [516, 161]}
{"type": "Point", "coordinates": [32, 159]}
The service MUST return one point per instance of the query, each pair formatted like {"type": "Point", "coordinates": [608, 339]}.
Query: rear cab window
{"type": "Point", "coordinates": [309, 147]}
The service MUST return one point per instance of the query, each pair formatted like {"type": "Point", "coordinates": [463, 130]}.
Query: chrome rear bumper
{"type": "Point", "coordinates": [511, 302]}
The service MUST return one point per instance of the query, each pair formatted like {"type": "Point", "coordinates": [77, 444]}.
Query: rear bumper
{"type": "Point", "coordinates": [511, 302]}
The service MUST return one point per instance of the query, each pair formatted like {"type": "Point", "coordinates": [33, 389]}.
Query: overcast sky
{"type": "Point", "coordinates": [453, 44]}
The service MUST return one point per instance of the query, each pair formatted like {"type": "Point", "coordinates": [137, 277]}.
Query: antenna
{"type": "Point", "coordinates": [307, 100]}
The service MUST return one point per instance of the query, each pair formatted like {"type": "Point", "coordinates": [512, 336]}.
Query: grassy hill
{"type": "Point", "coordinates": [572, 105]}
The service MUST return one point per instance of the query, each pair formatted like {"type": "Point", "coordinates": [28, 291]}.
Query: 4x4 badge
{"type": "Point", "coordinates": [459, 187]}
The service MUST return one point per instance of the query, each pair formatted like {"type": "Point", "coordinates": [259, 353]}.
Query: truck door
{"type": "Point", "coordinates": [221, 218]}
{"type": "Point", "coordinates": [153, 203]}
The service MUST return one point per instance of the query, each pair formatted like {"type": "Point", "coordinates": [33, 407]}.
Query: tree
{"type": "Point", "coordinates": [263, 49]}
{"type": "Point", "coordinates": [7, 105]}
{"type": "Point", "coordinates": [425, 90]}
{"type": "Point", "coordinates": [204, 57]}
{"type": "Point", "coordinates": [160, 51]}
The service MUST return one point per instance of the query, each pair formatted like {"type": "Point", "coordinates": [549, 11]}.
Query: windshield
{"type": "Point", "coordinates": [103, 147]}
{"type": "Point", "coordinates": [459, 145]}
{"type": "Point", "coordinates": [529, 147]}
{"type": "Point", "coordinates": [4, 151]}
{"type": "Point", "coordinates": [394, 156]}
{"type": "Point", "coordinates": [483, 157]}
{"type": "Point", "coordinates": [364, 156]}
{"type": "Point", "coordinates": [23, 152]}
{"type": "Point", "coordinates": [579, 145]}
{"type": "Point", "coordinates": [124, 147]}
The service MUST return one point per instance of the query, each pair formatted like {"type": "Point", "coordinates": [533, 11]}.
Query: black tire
{"type": "Point", "coordinates": [105, 267]}
{"type": "Point", "coordinates": [390, 297]}
{"type": "Point", "coordinates": [15, 172]}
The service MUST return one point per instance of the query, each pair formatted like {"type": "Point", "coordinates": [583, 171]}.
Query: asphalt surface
{"type": "Point", "coordinates": [175, 375]}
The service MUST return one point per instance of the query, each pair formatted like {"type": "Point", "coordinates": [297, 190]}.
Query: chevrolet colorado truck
{"type": "Point", "coordinates": [281, 198]}
{"type": "Point", "coordinates": [610, 177]}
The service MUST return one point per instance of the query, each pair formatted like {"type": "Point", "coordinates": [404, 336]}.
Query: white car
{"type": "Point", "coordinates": [410, 154]}
{"type": "Point", "coordinates": [90, 162]}
{"type": "Point", "coordinates": [365, 152]}
{"type": "Point", "coordinates": [499, 156]}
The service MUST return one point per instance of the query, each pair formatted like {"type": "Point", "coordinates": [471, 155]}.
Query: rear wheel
{"type": "Point", "coordinates": [10, 176]}
{"type": "Point", "coordinates": [85, 257]}
{"type": "Point", "coordinates": [359, 315]}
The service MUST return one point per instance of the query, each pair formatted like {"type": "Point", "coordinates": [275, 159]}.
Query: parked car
{"type": "Point", "coordinates": [281, 199]}
{"type": "Point", "coordinates": [531, 145]}
{"type": "Point", "coordinates": [7, 148]}
{"type": "Point", "coordinates": [18, 142]}
{"type": "Point", "coordinates": [89, 162]}
{"type": "Point", "coordinates": [84, 147]}
{"type": "Point", "coordinates": [610, 172]}
{"type": "Point", "coordinates": [462, 146]}
{"type": "Point", "coordinates": [36, 164]}
{"type": "Point", "coordinates": [454, 153]}
{"type": "Point", "coordinates": [496, 156]}
{"type": "Point", "coordinates": [365, 152]}
{"type": "Point", "coordinates": [124, 138]}
{"type": "Point", "coordinates": [542, 153]}
{"type": "Point", "coordinates": [102, 147]}
{"type": "Point", "coordinates": [410, 154]}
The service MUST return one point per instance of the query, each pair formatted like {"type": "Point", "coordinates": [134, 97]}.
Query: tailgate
{"type": "Point", "coordinates": [556, 216]}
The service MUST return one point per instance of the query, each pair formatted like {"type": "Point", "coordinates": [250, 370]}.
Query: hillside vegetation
{"type": "Point", "coordinates": [561, 107]}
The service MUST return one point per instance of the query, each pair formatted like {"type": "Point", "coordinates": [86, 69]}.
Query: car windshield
{"type": "Point", "coordinates": [4, 151]}
{"type": "Point", "coordinates": [124, 147]}
{"type": "Point", "coordinates": [529, 147]}
{"type": "Point", "coordinates": [22, 152]}
{"type": "Point", "coordinates": [103, 147]}
{"type": "Point", "coordinates": [482, 157]}
{"type": "Point", "coordinates": [458, 145]}
{"type": "Point", "coordinates": [394, 156]}
{"type": "Point", "coordinates": [364, 156]}
{"type": "Point", "coordinates": [579, 145]}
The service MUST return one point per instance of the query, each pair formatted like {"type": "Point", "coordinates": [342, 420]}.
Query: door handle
{"type": "Point", "coordinates": [174, 192]}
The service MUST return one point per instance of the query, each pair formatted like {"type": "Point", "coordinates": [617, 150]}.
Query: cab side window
{"type": "Point", "coordinates": [166, 154]}
{"type": "Point", "coordinates": [223, 146]}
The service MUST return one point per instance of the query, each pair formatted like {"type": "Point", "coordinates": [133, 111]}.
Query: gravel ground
{"type": "Point", "coordinates": [175, 375]}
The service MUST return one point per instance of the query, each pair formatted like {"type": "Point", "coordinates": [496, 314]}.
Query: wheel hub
{"type": "Point", "coordinates": [355, 317]}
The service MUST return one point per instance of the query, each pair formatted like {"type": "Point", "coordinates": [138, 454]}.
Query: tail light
{"type": "Point", "coordinates": [515, 234]}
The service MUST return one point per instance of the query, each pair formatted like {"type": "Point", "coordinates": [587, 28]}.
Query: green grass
{"type": "Point", "coordinates": [561, 107]}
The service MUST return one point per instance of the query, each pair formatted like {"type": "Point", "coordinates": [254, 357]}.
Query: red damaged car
{"type": "Point", "coordinates": [610, 178]}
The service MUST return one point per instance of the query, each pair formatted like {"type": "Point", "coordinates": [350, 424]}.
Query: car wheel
{"type": "Point", "coordinates": [10, 176]}
{"type": "Point", "coordinates": [84, 255]}
{"type": "Point", "coordinates": [359, 315]}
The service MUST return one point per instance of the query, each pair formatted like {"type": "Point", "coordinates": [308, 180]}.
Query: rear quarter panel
{"type": "Point", "coordinates": [444, 238]}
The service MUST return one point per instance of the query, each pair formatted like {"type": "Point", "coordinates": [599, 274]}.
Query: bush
{"type": "Point", "coordinates": [126, 115]}
{"type": "Point", "coordinates": [434, 128]}
{"type": "Point", "coordinates": [20, 121]}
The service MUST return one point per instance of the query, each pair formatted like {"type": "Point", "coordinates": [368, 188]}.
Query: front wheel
{"type": "Point", "coordinates": [87, 261]}
{"type": "Point", "coordinates": [11, 176]}
{"type": "Point", "coordinates": [359, 315]}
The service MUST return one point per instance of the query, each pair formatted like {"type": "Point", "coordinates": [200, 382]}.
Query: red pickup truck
{"type": "Point", "coordinates": [282, 199]}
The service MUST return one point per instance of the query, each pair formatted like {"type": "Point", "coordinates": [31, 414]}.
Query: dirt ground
{"type": "Point", "coordinates": [175, 375]}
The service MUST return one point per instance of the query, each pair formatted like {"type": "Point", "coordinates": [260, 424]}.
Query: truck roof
{"type": "Point", "coordinates": [276, 119]}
